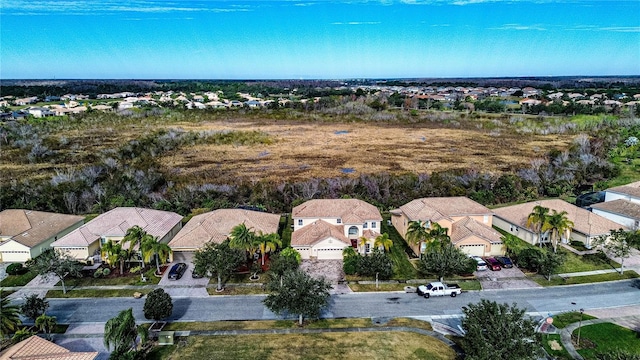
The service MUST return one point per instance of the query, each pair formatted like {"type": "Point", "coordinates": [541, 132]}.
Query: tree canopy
{"type": "Point", "coordinates": [121, 333]}
{"type": "Point", "coordinates": [297, 293]}
{"type": "Point", "coordinates": [219, 259]}
{"type": "Point", "coordinates": [498, 331]}
{"type": "Point", "coordinates": [619, 244]}
{"type": "Point", "coordinates": [445, 260]}
{"type": "Point", "coordinates": [34, 306]}
{"type": "Point", "coordinates": [9, 317]}
{"type": "Point", "coordinates": [158, 305]}
{"type": "Point", "coordinates": [59, 264]}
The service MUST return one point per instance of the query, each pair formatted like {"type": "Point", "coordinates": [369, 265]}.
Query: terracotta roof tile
{"type": "Point", "coordinates": [621, 207]}
{"type": "Point", "coordinates": [584, 221]}
{"type": "Point", "coordinates": [116, 222]}
{"type": "Point", "coordinates": [467, 227]}
{"type": "Point", "coordinates": [351, 211]}
{"type": "Point", "coordinates": [318, 231]}
{"type": "Point", "coordinates": [437, 208]}
{"type": "Point", "coordinates": [216, 225]}
{"type": "Point", "coordinates": [37, 348]}
{"type": "Point", "coordinates": [31, 228]}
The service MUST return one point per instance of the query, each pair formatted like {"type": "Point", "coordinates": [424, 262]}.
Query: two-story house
{"type": "Point", "coordinates": [322, 228]}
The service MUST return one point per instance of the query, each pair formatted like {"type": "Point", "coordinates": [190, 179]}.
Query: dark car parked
{"type": "Point", "coordinates": [177, 271]}
{"type": "Point", "coordinates": [504, 261]}
{"type": "Point", "coordinates": [493, 264]}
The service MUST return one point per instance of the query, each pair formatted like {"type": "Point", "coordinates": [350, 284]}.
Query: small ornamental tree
{"type": "Point", "coordinates": [498, 331]}
{"type": "Point", "coordinates": [158, 305]}
{"type": "Point", "coordinates": [218, 259]}
{"type": "Point", "coordinates": [378, 262]}
{"type": "Point", "coordinates": [297, 293]}
{"type": "Point", "coordinates": [61, 265]}
{"type": "Point", "coordinates": [46, 324]}
{"type": "Point", "coordinates": [287, 259]}
{"type": "Point", "coordinates": [34, 306]}
{"type": "Point", "coordinates": [444, 260]}
{"type": "Point", "coordinates": [617, 244]}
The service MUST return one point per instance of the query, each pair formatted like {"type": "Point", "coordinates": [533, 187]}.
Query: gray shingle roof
{"type": "Point", "coordinates": [632, 189]}
{"type": "Point", "coordinates": [621, 207]}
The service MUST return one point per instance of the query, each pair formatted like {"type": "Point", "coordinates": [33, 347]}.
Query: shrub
{"type": "Point", "coordinates": [98, 273]}
{"type": "Point", "coordinates": [135, 269]}
{"type": "Point", "coordinates": [16, 269]}
{"type": "Point", "coordinates": [106, 272]}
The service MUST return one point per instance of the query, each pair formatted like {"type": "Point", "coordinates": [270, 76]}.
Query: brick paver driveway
{"type": "Point", "coordinates": [512, 278]}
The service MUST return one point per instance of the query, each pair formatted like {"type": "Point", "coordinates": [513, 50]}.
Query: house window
{"type": "Point", "coordinates": [373, 224]}
{"type": "Point", "coordinates": [299, 222]}
{"type": "Point", "coordinates": [364, 226]}
{"type": "Point", "coordinates": [353, 230]}
{"type": "Point", "coordinates": [339, 221]}
{"type": "Point", "coordinates": [486, 219]}
{"type": "Point", "coordinates": [367, 248]}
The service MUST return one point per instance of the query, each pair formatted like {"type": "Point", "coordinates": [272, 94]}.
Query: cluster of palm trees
{"type": "Point", "coordinates": [556, 223]}
{"type": "Point", "coordinates": [135, 244]}
{"type": "Point", "coordinates": [244, 238]}
{"type": "Point", "coordinates": [430, 233]}
{"type": "Point", "coordinates": [381, 242]}
{"type": "Point", "coordinates": [10, 321]}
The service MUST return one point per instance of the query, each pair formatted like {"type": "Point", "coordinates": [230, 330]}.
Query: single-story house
{"type": "Point", "coordinates": [323, 228]}
{"type": "Point", "coordinates": [629, 192]}
{"type": "Point", "coordinates": [623, 212]}
{"type": "Point", "coordinates": [25, 234]}
{"type": "Point", "coordinates": [587, 225]}
{"type": "Point", "coordinates": [217, 225]}
{"type": "Point", "coordinates": [468, 223]}
{"type": "Point", "coordinates": [84, 242]}
{"type": "Point", "coordinates": [37, 348]}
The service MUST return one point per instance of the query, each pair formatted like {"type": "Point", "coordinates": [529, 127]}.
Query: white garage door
{"type": "Point", "coordinates": [473, 249]}
{"type": "Point", "coordinates": [329, 254]}
{"type": "Point", "coordinates": [183, 256]}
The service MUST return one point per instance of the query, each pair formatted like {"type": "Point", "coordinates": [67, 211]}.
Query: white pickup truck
{"type": "Point", "coordinates": [438, 289]}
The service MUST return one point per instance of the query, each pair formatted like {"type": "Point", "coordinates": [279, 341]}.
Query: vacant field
{"type": "Point", "coordinates": [299, 146]}
{"type": "Point", "coordinates": [322, 150]}
{"type": "Point", "coordinates": [377, 345]}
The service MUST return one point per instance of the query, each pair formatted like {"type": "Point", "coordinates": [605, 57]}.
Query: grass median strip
{"type": "Point", "coordinates": [557, 281]}
{"type": "Point", "coordinates": [94, 293]}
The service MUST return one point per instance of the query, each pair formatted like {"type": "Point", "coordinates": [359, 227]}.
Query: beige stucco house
{"type": "Point", "coordinates": [84, 242]}
{"type": "Point", "coordinates": [468, 223]}
{"type": "Point", "coordinates": [322, 228]}
{"type": "Point", "coordinates": [587, 225]}
{"type": "Point", "coordinates": [25, 234]}
{"type": "Point", "coordinates": [216, 225]}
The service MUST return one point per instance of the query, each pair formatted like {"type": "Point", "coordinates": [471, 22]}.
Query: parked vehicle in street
{"type": "Point", "coordinates": [177, 271]}
{"type": "Point", "coordinates": [494, 265]}
{"type": "Point", "coordinates": [504, 261]}
{"type": "Point", "coordinates": [438, 289]}
{"type": "Point", "coordinates": [482, 265]}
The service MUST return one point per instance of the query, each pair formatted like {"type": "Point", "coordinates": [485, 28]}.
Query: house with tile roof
{"type": "Point", "coordinates": [587, 225]}
{"type": "Point", "coordinates": [629, 192]}
{"type": "Point", "coordinates": [322, 228]}
{"type": "Point", "coordinates": [84, 242]}
{"type": "Point", "coordinates": [215, 226]}
{"type": "Point", "coordinates": [25, 234]}
{"type": "Point", "coordinates": [623, 212]}
{"type": "Point", "coordinates": [468, 223]}
{"type": "Point", "coordinates": [37, 348]}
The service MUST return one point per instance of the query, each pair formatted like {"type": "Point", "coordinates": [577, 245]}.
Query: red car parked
{"type": "Point", "coordinates": [493, 263]}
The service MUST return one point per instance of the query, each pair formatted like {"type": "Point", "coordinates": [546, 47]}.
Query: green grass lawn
{"type": "Point", "coordinates": [562, 320]}
{"type": "Point", "coordinates": [464, 285]}
{"type": "Point", "coordinates": [402, 267]}
{"type": "Point", "coordinates": [127, 279]}
{"type": "Point", "coordinates": [556, 280]}
{"type": "Point", "coordinates": [374, 345]}
{"type": "Point", "coordinates": [17, 280]}
{"type": "Point", "coordinates": [553, 346]}
{"type": "Point", "coordinates": [577, 263]}
{"type": "Point", "coordinates": [94, 293]}
{"type": "Point", "coordinates": [606, 338]}
{"type": "Point", "coordinates": [237, 290]}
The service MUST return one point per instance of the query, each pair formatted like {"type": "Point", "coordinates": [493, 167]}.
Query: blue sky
{"type": "Point", "coordinates": [309, 39]}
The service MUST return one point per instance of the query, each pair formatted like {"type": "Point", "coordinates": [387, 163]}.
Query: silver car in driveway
{"type": "Point", "coordinates": [482, 265]}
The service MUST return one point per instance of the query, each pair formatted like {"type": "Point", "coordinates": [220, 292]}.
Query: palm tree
{"type": "Point", "coordinates": [558, 224]}
{"type": "Point", "coordinates": [115, 253]}
{"type": "Point", "coordinates": [437, 236]}
{"type": "Point", "coordinates": [152, 248]}
{"type": "Point", "coordinates": [267, 243]}
{"type": "Point", "coordinates": [135, 236]}
{"type": "Point", "coordinates": [46, 324]}
{"type": "Point", "coordinates": [242, 238]}
{"type": "Point", "coordinates": [383, 241]}
{"type": "Point", "coordinates": [9, 317]}
{"type": "Point", "coordinates": [537, 219]}
{"type": "Point", "coordinates": [417, 232]}
{"type": "Point", "coordinates": [363, 243]}
{"type": "Point", "coordinates": [122, 332]}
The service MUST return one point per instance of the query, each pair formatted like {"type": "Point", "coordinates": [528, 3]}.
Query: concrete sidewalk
{"type": "Point", "coordinates": [628, 316]}
{"type": "Point", "coordinates": [593, 272]}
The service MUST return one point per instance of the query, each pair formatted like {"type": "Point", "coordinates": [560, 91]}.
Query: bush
{"type": "Point", "coordinates": [98, 273]}
{"type": "Point", "coordinates": [350, 264]}
{"type": "Point", "coordinates": [135, 269]}
{"type": "Point", "coordinates": [16, 269]}
{"type": "Point", "coordinates": [106, 272]}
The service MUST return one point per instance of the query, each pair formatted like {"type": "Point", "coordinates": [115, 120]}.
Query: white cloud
{"type": "Point", "coordinates": [88, 7]}
{"type": "Point", "coordinates": [357, 23]}
{"type": "Point", "coordinates": [519, 27]}
{"type": "Point", "coordinates": [621, 28]}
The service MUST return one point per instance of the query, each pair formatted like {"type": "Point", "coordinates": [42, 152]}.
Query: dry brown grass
{"type": "Point", "coordinates": [376, 345]}
{"type": "Point", "coordinates": [308, 150]}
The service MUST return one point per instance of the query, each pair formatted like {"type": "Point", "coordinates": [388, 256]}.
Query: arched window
{"type": "Point", "coordinates": [353, 230]}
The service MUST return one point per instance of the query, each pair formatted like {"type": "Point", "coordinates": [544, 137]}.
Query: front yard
{"type": "Point", "coordinates": [606, 338]}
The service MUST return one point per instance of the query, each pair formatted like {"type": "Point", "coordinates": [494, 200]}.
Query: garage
{"type": "Point", "coordinates": [329, 254]}
{"type": "Point", "coordinates": [473, 249]}
{"type": "Point", "coordinates": [184, 256]}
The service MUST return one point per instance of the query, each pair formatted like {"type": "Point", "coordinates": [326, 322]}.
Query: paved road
{"type": "Point", "coordinates": [546, 300]}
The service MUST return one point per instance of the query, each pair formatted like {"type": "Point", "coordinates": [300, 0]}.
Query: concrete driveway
{"type": "Point", "coordinates": [512, 278]}
{"type": "Point", "coordinates": [186, 286]}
